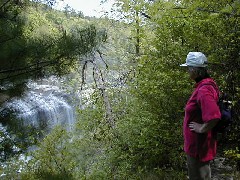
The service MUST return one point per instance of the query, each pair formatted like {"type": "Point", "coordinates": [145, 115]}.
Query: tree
{"type": "Point", "coordinates": [132, 11]}
{"type": "Point", "coordinates": [34, 46]}
{"type": "Point", "coordinates": [180, 27]}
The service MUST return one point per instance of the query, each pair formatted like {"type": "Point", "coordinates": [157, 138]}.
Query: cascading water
{"type": "Point", "coordinates": [42, 111]}
{"type": "Point", "coordinates": [43, 106]}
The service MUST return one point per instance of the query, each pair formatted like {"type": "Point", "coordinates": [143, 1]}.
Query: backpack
{"type": "Point", "coordinates": [224, 124]}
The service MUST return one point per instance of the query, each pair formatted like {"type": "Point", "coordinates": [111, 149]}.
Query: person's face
{"type": "Point", "coordinates": [192, 72]}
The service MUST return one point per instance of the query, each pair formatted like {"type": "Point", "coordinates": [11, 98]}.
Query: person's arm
{"type": "Point", "coordinates": [202, 128]}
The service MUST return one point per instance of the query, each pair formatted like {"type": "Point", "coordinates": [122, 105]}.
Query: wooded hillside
{"type": "Point", "coordinates": [132, 128]}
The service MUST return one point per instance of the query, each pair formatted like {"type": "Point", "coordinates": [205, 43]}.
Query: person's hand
{"type": "Point", "coordinates": [196, 127]}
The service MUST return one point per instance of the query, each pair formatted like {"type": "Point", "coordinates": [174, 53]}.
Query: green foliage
{"type": "Point", "coordinates": [162, 88]}
{"type": "Point", "coordinates": [136, 148]}
{"type": "Point", "coordinates": [69, 155]}
{"type": "Point", "coordinates": [6, 147]}
{"type": "Point", "coordinates": [52, 159]}
{"type": "Point", "coordinates": [233, 154]}
{"type": "Point", "coordinates": [210, 27]}
{"type": "Point", "coordinates": [16, 137]}
{"type": "Point", "coordinates": [38, 43]}
{"type": "Point", "coordinates": [146, 141]}
{"type": "Point", "coordinates": [11, 168]}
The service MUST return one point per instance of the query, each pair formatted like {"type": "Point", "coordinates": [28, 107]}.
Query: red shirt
{"type": "Point", "coordinates": [201, 108]}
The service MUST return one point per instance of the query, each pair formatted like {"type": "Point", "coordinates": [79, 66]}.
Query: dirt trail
{"type": "Point", "coordinates": [221, 169]}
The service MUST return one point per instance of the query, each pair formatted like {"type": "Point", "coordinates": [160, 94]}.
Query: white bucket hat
{"type": "Point", "coordinates": [196, 59]}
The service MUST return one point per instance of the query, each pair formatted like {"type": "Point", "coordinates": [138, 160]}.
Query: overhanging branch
{"type": "Point", "coordinates": [32, 68]}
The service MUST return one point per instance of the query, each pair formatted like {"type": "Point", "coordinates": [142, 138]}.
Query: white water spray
{"type": "Point", "coordinates": [43, 106]}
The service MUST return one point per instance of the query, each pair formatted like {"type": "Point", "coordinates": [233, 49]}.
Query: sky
{"type": "Point", "coordinates": [88, 7]}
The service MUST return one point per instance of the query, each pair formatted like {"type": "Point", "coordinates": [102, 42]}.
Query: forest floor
{"type": "Point", "coordinates": [222, 169]}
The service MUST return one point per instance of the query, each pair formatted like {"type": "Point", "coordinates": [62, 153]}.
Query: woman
{"type": "Point", "coordinates": [201, 115]}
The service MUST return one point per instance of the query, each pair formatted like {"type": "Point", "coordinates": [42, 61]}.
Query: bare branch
{"type": "Point", "coordinates": [24, 68]}
{"type": "Point", "coordinates": [100, 84]}
{"type": "Point", "coordinates": [100, 54]}
{"type": "Point", "coordinates": [84, 74]}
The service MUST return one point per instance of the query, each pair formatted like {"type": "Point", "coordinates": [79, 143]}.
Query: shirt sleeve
{"type": "Point", "coordinates": [207, 99]}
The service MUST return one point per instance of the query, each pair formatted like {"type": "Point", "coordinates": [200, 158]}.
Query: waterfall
{"type": "Point", "coordinates": [43, 106]}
